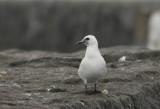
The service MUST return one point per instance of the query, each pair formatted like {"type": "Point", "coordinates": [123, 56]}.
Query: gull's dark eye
{"type": "Point", "coordinates": [87, 38]}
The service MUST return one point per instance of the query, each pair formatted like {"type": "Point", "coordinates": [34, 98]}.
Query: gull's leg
{"type": "Point", "coordinates": [95, 87]}
{"type": "Point", "coordinates": [85, 82]}
{"type": "Point", "coordinates": [86, 88]}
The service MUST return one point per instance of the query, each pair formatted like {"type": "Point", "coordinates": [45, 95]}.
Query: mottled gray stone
{"type": "Point", "coordinates": [48, 80]}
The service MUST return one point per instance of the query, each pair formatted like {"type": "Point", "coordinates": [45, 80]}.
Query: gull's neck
{"type": "Point", "coordinates": [92, 51]}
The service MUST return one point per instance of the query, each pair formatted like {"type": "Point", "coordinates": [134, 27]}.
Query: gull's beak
{"type": "Point", "coordinates": [80, 42]}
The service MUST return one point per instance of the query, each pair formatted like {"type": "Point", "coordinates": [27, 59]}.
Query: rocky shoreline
{"type": "Point", "coordinates": [48, 80]}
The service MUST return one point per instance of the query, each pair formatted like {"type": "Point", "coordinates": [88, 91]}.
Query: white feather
{"type": "Point", "coordinates": [93, 66]}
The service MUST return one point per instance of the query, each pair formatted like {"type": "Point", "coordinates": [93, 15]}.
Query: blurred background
{"type": "Point", "coordinates": [58, 25]}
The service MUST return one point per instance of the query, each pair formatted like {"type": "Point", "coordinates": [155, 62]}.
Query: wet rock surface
{"type": "Point", "coordinates": [48, 80]}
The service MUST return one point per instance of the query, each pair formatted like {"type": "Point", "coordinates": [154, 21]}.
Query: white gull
{"type": "Point", "coordinates": [93, 65]}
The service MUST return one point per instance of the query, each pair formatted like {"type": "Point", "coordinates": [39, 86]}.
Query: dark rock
{"type": "Point", "coordinates": [47, 80]}
{"type": "Point", "coordinates": [47, 61]}
{"type": "Point", "coordinates": [73, 80]}
{"type": "Point", "coordinates": [53, 101]}
{"type": "Point", "coordinates": [57, 90]}
{"type": "Point", "coordinates": [105, 80]}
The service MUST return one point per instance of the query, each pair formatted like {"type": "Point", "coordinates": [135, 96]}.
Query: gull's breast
{"type": "Point", "coordinates": [92, 69]}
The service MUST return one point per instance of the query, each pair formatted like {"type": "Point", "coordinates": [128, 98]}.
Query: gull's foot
{"type": "Point", "coordinates": [97, 91]}
{"type": "Point", "coordinates": [89, 92]}
{"type": "Point", "coordinates": [93, 92]}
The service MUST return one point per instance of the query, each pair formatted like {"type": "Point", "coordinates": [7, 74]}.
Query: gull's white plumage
{"type": "Point", "coordinates": [93, 66]}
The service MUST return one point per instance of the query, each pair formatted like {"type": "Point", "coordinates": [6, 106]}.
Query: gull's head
{"type": "Point", "coordinates": [88, 40]}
